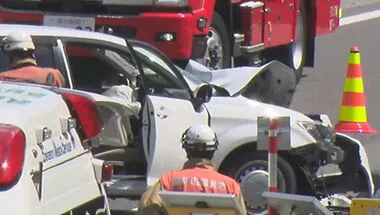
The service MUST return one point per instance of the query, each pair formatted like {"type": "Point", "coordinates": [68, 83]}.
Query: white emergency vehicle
{"type": "Point", "coordinates": [147, 103]}
{"type": "Point", "coordinates": [45, 167]}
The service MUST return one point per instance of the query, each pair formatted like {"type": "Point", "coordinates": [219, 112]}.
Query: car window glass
{"type": "Point", "coordinates": [44, 56]}
{"type": "Point", "coordinates": [158, 75]}
{"type": "Point", "coordinates": [95, 69]}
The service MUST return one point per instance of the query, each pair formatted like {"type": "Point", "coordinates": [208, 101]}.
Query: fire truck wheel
{"type": "Point", "coordinates": [217, 54]}
{"type": "Point", "coordinates": [251, 171]}
{"type": "Point", "coordinates": [298, 47]}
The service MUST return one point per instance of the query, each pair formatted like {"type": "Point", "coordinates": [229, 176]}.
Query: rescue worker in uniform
{"type": "Point", "coordinates": [197, 175]}
{"type": "Point", "coordinates": [20, 50]}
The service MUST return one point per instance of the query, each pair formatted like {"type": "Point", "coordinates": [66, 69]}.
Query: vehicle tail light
{"type": "Point", "coordinates": [12, 152]}
{"type": "Point", "coordinates": [85, 110]}
{"type": "Point", "coordinates": [107, 172]}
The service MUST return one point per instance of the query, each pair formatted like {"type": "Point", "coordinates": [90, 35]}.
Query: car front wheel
{"type": "Point", "coordinates": [251, 171]}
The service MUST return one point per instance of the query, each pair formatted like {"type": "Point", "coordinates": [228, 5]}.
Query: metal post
{"type": "Point", "coordinates": [272, 159]}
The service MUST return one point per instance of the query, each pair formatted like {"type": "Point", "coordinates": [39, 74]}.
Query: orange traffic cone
{"type": "Point", "coordinates": [353, 113]}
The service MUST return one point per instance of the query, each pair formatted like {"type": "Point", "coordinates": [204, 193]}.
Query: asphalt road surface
{"type": "Point", "coordinates": [356, 3]}
{"type": "Point", "coordinates": [320, 91]}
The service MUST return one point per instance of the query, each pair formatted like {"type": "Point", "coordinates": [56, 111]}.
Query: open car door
{"type": "Point", "coordinates": [164, 121]}
{"type": "Point", "coordinates": [167, 111]}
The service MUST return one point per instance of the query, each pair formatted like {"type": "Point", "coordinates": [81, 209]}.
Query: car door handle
{"type": "Point", "coordinates": [162, 116]}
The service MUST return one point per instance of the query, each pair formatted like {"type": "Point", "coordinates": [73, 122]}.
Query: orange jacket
{"type": "Point", "coordinates": [28, 70]}
{"type": "Point", "coordinates": [197, 175]}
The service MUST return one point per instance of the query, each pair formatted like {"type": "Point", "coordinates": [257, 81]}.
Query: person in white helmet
{"type": "Point", "coordinates": [20, 50]}
{"type": "Point", "coordinates": [197, 175]}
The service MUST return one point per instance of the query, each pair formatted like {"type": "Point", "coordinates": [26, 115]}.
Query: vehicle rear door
{"type": "Point", "coordinates": [68, 179]}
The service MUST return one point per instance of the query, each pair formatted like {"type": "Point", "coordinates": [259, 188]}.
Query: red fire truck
{"type": "Point", "coordinates": [217, 33]}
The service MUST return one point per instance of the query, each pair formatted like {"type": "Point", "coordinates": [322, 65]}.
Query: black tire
{"type": "Point", "coordinates": [220, 27]}
{"type": "Point", "coordinates": [260, 159]}
{"type": "Point", "coordinates": [301, 23]}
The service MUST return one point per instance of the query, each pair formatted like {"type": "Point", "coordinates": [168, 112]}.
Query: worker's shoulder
{"type": "Point", "coordinates": [51, 70]}
{"type": "Point", "coordinates": [170, 174]}
{"type": "Point", "coordinates": [34, 68]}
{"type": "Point", "coordinates": [227, 178]}
{"type": "Point", "coordinates": [215, 174]}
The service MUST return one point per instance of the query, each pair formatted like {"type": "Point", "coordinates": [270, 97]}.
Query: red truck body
{"type": "Point", "coordinates": [180, 29]}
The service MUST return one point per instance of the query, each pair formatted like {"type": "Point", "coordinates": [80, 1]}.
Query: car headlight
{"type": "Point", "coordinates": [171, 2]}
{"type": "Point", "coordinates": [327, 132]}
{"type": "Point", "coordinates": [323, 134]}
{"type": "Point", "coordinates": [311, 129]}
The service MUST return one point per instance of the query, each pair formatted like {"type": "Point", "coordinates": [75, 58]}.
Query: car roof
{"type": "Point", "coordinates": [37, 30]}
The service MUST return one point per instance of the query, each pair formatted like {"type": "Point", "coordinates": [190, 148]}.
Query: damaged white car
{"type": "Point", "coordinates": [146, 103]}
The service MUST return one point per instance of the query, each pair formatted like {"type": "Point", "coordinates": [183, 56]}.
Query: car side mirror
{"type": "Point", "coordinates": [204, 93]}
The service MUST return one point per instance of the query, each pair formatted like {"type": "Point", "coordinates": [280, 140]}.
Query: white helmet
{"type": "Point", "coordinates": [199, 138]}
{"type": "Point", "coordinates": [17, 41]}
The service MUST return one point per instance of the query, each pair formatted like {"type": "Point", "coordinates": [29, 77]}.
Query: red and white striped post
{"type": "Point", "coordinates": [273, 133]}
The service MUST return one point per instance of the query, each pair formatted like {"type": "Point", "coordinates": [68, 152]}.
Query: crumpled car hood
{"type": "Point", "coordinates": [272, 83]}
{"type": "Point", "coordinates": [232, 79]}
